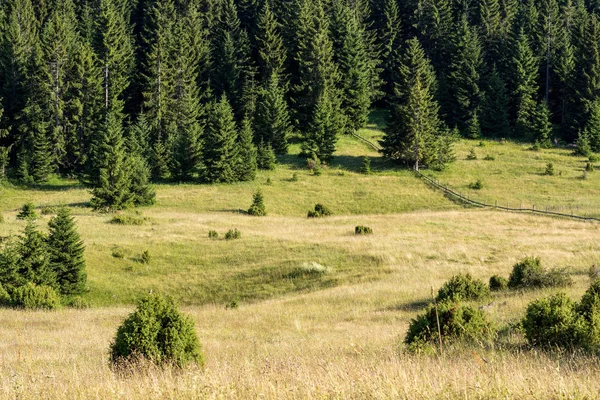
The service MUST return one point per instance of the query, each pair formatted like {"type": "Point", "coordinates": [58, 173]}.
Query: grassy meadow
{"type": "Point", "coordinates": [322, 312]}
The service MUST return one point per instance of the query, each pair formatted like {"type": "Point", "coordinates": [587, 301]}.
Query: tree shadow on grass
{"type": "Point", "coordinates": [412, 306]}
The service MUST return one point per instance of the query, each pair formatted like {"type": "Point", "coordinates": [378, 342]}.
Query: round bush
{"type": "Point", "coordinates": [31, 296]}
{"type": "Point", "coordinates": [554, 321]}
{"type": "Point", "coordinates": [529, 273]}
{"type": "Point", "coordinates": [463, 287]}
{"type": "Point", "coordinates": [457, 322]}
{"type": "Point", "coordinates": [590, 299]}
{"type": "Point", "coordinates": [158, 332]}
{"type": "Point", "coordinates": [498, 283]}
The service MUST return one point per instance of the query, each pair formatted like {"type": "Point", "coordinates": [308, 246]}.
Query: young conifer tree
{"type": "Point", "coordinates": [66, 251]}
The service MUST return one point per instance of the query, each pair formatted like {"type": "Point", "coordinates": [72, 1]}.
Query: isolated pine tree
{"type": "Point", "coordinates": [247, 153]}
{"type": "Point", "coordinates": [272, 120]}
{"type": "Point", "coordinates": [66, 251]}
{"type": "Point", "coordinates": [220, 152]}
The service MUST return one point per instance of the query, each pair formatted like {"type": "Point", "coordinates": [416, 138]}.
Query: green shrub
{"type": "Point", "coordinates": [593, 158]}
{"type": "Point", "coordinates": [233, 234]}
{"type": "Point", "coordinates": [233, 304]}
{"type": "Point", "coordinates": [265, 157]}
{"type": "Point", "coordinates": [365, 168]}
{"type": "Point", "coordinates": [269, 182]}
{"type": "Point", "coordinates": [158, 332]}
{"type": "Point", "coordinates": [489, 157]}
{"type": "Point", "coordinates": [481, 144]}
{"type": "Point", "coordinates": [49, 210]}
{"type": "Point", "coordinates": [118, 252]}
{"type": "Point", "coordinates": [27, 212]}
{"type": "Point", "coordinates": [477, 185]}
{"type": "Point", "coordinates": [549, 169]}
{"type": "Point", "coordinates": [498, 283]}
{"type": "Point", "coordinates": [31, 296]}
{"type": "Point", "coordinates": [77, 302]}
{"type": "Point", "coordinates": [590, 299]}
{"type": "Point", "coordinates": [589, 167]}
{"type": "Point", "coordinates": [320, 211]}
{"type": "Point", "coordinates": [463, 287]}
{"type": "Point", "coordinates": [213, 235]}
{"type": "Point", "coordinates": [294, 177]}
{"type": "Point", "coordinates": [529, 273]}
{"type": "Point", "coordinates": [472, 155]}
{"type": "Point", "coordinates": [457, 322]}
{"type": "Point", "coordinates": [258, 205]}
{"type": "Point", "coordinates": [145, 257]}
{"type": "Point", "coordinates": [5, 299]}
{"type": "Point", "coordinates": [362, 230]}
{"type": "Point", "coordinates": [122, 219]}
{"type": "Point", "coordinates": [536, 146]}
{"type": "Point", "coordinates": [554, 321]}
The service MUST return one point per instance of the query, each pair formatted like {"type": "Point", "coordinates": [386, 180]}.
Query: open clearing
{"type": "Point", "coordinates": [322, 312]}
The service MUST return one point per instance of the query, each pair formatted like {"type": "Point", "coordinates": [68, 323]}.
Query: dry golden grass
{"type": "Point", "coordinates": [342, 342]}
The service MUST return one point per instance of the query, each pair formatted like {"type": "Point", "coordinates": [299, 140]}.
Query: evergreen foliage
{"type": "Point", "coordinates": [158, 332]}
{"type": "Point", "coordinates": [258, 206]}
{"type": "Point", "coordinates": [66, 253]}
{"type": "Point", "coordinates": [221, 151]}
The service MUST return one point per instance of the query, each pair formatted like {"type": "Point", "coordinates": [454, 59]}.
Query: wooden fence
{"type": "Point", "coordinates": [465, 199]}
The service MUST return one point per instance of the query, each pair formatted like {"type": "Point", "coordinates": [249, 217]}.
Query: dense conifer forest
{"type": "Point", "coordinates": [120, 92]}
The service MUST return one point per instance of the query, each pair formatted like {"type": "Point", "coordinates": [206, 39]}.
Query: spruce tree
{"type": "Point", "coordinates": [592, 126]}
{"type": "Point", "coordinates": [142, 194]}
{"type": "Point", "coordinates": [541, 125]}
{"type": "Point", "coordinates": [34, 260]}
{"type": "Point", "coordinates": [414, 133]}
{"type": "Point", "coordinates": [112, 192]}
{"type": "Point", "coordinates": [230, 49]}
{"type": "Point", "coordinates": [355, 72]}
{"type": "Point", "coordinates": [464, 76]}
{"type": "Point", "coordinates": [220, 152]}
{"type": "Point", "coordinates": [321, 135]}
{"type": "Point", "coordinates": [494, 110]}
{"type": "Point", "coordinates": [523, 79]}
{"type": "Point", "coordinates": [66, 253]}
{"type": "Point", "coordinates": [390, 37]}
{"type": "Point", "coordinates": [158, 88]}
{"type": "Point", "coordinates": [271, 50]}
{"type": "Point", "coordinates": [265, 156]}
{"type": "Point", "coordinates": [247, 153]}
{"type": "Point", "coordinates": [272, 120]}
{"type": "Point", "coordinates": [114, 48]}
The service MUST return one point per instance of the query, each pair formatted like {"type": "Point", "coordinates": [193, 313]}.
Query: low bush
{"type": "Point", "coordinates": [77, 302]}
{"type": "Point", "coordinates": [554, 321]}
{"type": "Point", "coordinates": [320, 211]}
{"type": "Point", "coordinates": [213, 235]}
{"type": "Point", "coordinates": [258, 205]}
{"type": "Point", "coordinates": [233, 234]}
{"type": "Point", "coordinates": [589, 167]}
{"type": "Point", "coordinates": [31, 296]}
{"type": "Point", "coordinates": [362, 230]}
{"type": "Point", "coordinates": [145, 257]}
{"type": "Point", "coordinates": [158, 332]}
{"type": "Point", "coordinates": [294, 177]}
{"type": "Point", "coordinates": [549, 169]}
{"type": "Point", "coordinates": [489, 157]}
{"type": "Point", "coordinates": [118, 252]}
{"type": "Point", "coordinates": [123, 219]}
{"type": "Point", "coordinates": [472, 155]}
{"type": "Point", "coordinates": [529, 273]}
{"type": "Point", "coordinates": [27, 212]}
{"type": "Point", "coordinates": [457, 322]}
{"type": "Point", "coordinates": [463, 287]}
{"type": "Point", "coordinates": [49, 210]}
{"type": "Point", "coordinates": [498, 283]}
{"type": "Point", "coordinates": [477, 185]}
